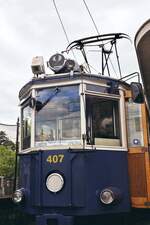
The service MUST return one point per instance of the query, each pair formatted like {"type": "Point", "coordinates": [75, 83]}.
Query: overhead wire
{"type": "Point", "coordinates": [63, 27]}
{"type": "Point", "coordinates": [96, 28]}
{"type": "Point", "coordinates": [113, 67]}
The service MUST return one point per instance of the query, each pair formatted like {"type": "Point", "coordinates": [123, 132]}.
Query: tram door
{"type": "Point", "coordinates": [138, 154]}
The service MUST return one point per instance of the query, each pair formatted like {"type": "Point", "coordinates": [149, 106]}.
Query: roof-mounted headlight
{"type": "Point", "coordinates": [70, 64]}
{"type": "Point", "coordinates": [56, 62]}
{"type": "Point", "coordinates": [59, 64]}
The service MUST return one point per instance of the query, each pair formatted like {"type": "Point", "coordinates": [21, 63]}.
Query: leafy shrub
{"type": "Point", "coordinates": [7, 162]}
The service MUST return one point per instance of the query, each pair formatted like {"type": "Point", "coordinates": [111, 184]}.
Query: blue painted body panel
{"type": "Point", "coordinates": [86, 174]}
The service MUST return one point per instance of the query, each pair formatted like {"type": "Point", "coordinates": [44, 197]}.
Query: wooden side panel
{"type": "Point", "coordinates": [139, 167]}
{"type": "Point", "coordinates": [137, 175]}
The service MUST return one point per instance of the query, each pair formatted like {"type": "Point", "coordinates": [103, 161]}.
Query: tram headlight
{"type": "Point", "coordinates": [18, 196]}
{"type": "Point", "coordinates": [54, 182]}
{"type": "Point", "coordinates": [110, 195]}
{"type": "Point", "coordinates": [56, 62]}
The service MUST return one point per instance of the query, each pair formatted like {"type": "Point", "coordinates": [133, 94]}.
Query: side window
{"type": "Point", "coordinates": [103, 125]}
{"type": "Point", "coordinates": [134, 124]}
{"type": "Point", "coordinates": [26, 127]}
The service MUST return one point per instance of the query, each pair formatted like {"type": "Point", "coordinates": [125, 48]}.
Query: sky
{"type": "Point", "coordinates": [31, 28]}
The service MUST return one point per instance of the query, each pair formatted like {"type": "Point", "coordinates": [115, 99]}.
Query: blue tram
{"type": "Point", "coordinates": [77, 129]}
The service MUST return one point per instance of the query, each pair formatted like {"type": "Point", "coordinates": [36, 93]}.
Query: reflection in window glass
{"type": "Point", "coordinates": [26, 127]}
{"type": "Point", "coordinates": [58, 116]}
{"type": "Point", "coordinates": [134, 124]}
{"type": "Point", "coordinates": [103, 126]}
{"type": "Point", "coordinates": [70, 124]}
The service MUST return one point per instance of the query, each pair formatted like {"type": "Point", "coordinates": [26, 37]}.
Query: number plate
{"type": "Point", "coordinates": [55, 158]}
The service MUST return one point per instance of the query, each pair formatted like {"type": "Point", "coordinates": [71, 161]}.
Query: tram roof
{"type": "Point", "coordinates": [67, 77]}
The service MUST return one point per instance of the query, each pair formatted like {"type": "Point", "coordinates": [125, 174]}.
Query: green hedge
{"type": "Point", "coordinates": [7, 162]}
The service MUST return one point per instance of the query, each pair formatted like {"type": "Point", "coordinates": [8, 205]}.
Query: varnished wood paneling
{"type": "Point", "coordinates": [144, 125]}
{"type": "Point", "coordinates": [137, 175]}
{"type": "Point", "coordinates": [139, 202]}
{"type": "Point", "coordinates": [147, 165]}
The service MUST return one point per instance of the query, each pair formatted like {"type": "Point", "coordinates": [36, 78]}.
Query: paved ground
{"type": "Point", "coordinates": [26, 220]}
{"type": "Point", "coordinates": [9, 215]}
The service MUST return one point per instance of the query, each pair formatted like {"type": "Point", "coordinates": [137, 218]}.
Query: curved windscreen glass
{"type": "Point", "coordinates": [58, 116]}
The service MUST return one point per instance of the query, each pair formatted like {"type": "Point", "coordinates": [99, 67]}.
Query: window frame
{"type": "Point", "coordinates": [131, 119]}
{"type": "Point", "coordinates": [115, 126]}
{"type": "Point", "coordinates": [23, 106]}
{"type": "Point", "coordinates": [122, 117]}
{"type": "Point", "coordinates": [82, 94]}
{"type": "Point", "coordinates": [109, 98]}
{"type": "Point", "coordinates": [59, 120]}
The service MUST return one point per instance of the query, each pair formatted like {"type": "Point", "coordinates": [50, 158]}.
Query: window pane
{"type": "Point", "coordinates": [70, 124]}
{"type": "Point", "coordinates": [26, 127]}
{"type": "Point", "coordinates": [100, 89]}
{"type": "Point", "coordinates": [103, 121]}
{"type": "Point", "coordinates": [134, 124]}
{"type": "Point", "coordinates": [58, 115]}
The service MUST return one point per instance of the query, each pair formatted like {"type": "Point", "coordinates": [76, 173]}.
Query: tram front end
{"type": "Point", "coordinates": [73, 154]}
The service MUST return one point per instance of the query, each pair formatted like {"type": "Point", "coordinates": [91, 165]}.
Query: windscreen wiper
{"type": "Point", "coordinates": [40, 105]}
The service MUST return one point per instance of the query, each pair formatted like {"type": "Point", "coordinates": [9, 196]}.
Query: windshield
{"type": "Point", "coordinates": [58, 116]}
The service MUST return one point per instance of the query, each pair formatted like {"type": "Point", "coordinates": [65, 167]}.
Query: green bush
{"type": "Point", "coordinates": [7, 162]}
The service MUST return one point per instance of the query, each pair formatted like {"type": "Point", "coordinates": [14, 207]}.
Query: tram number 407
{"type": "Point", "coordinates": [55, 158]}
